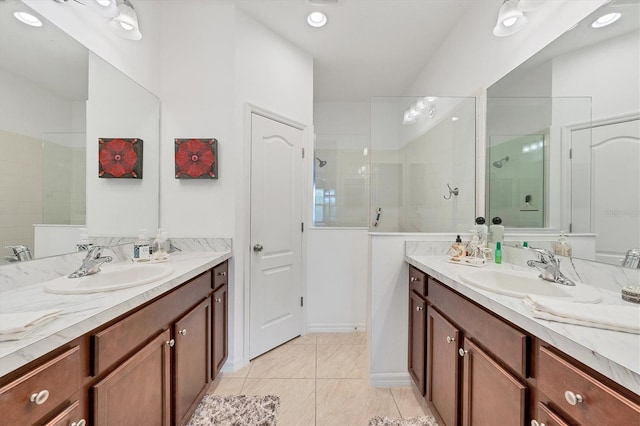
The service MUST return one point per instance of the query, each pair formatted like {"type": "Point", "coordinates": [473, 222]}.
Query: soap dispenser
{"type": "Point", "coordinates": [141, 248]}
{"type": "Point", "coordinates": [562, 247]}
{"type": "Point", "coordinates": [159, 247]}
{"type": "Point", "coordinates": [84, 243]}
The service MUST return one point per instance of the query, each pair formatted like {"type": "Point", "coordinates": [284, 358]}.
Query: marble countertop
{"type": "Point", "coordinates": [84, 312]}
{"type": "Point", "coordinates": [614, 354]}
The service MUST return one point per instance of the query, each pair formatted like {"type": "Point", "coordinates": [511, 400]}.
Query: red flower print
{"type": "Point", "coordinates": [118, 157]}
{"type": "Point", "coordinates": [195, 157]}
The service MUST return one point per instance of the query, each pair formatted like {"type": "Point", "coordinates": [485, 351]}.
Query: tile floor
{"type": "Point", "coordinates": [321, 379]}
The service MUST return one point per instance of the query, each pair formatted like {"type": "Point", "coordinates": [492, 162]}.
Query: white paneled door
{"type": "Point", "coordinates": [276, 234]}
{"type": "Point", "coordinates": [606, 187]}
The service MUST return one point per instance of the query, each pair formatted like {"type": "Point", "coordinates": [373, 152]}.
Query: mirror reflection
{"type": "Point", "coordinates": [585, 90]}
{"type": "Point", "coordinates": [57, 99]}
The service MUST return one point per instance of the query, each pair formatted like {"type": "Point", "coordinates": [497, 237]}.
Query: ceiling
{"type": "Point", "coordinates": [368, 47]}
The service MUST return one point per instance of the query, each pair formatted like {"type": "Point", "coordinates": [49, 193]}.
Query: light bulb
{"type": "Point", "coordinates": [317, 19]}
{"type": "Point", "coordinates": [605, 20]}
{"type": "Point", "coordinates": [27, 18]}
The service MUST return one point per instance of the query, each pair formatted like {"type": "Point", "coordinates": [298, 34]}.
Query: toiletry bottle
{"type": "Point", "coordinates": [562, 247]}
{"type": "Point", "coordinates": [458, 249]}
{"type": "Point", "coordinates": [482, 231]}
{"type": "Point", "coordinates": [498, 253]}
{"type": "Point", "coordinates": [496, 231]}
{"type": "Point", "coordinates": [159, 248]}
{"type": "Point", "coordinates": [474, 245]}
{"type": "Point", "coordinates": [141, 248]}
{"type": "Point", "coordinates": [84, 243]}
{"type": "Point", "coordinates": [525, 244]}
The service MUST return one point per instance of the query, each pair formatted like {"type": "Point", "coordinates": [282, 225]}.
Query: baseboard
{"type": "Point", "coordinates": [335, 328]}
{"type": "Point", "coordinates": [232, 365]}
{"type": "Point", "coordinates": [389, 380]}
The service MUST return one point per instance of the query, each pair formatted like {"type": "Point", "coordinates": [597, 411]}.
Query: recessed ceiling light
{"type": "Point", "coordinates": [454, 118]}
{"type": "Point", "coordinates": [605, 20]}
{"type": "Point", "coordinates": [317, 19]}
{"type": "Point", "coordinates": [28, 19]}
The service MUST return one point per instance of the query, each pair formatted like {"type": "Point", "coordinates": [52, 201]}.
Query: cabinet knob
{"type": "Point", "coordinates": [413, 279]}
{"type": "Point", "coordinates": [218, 300]}
{"type": "Point", "coordinates": [40, 397]}
{"type": "Point", "coordinates": [462, 352]}
{"type": "Point", "coordinates": [222, 274]}
{"type": "Point", "coordinates": [171, 343]}
{"type": "Point", "coordinates": [183, 332]}
{"type": "Point", "coordinates": [81, 422]}
{"type": "Point", "coordinates": [573, 398]}
{"type": "Point", "coordinates": [534, 422]}
{"type": "Point", "coordinates": [257, 248]}
{"type": "Point", "coordinates": [419, 308]}
{"type": "Point", "coordinates": [450, 339]}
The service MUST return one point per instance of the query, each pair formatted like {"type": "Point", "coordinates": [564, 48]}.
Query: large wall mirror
{"type": "Point", "coordinates": [57, 99]}
{"type": "Point", "coordinates": [563, 135]}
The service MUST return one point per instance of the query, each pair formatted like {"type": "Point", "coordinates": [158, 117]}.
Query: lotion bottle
{"type": "Point", "coordinates": [496, 231]}
{"type": "Point", "coordinates": [562, 247]}
{"type": "Point", "coordinates": [84, 243]}
{"type": "Point", "coordinates": [497, 257]}
{"type": "Point", "coordinates": [482, 231]}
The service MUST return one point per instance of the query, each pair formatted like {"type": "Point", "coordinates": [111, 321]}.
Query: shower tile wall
{"type": "Point", "coordinates": [20, 189]}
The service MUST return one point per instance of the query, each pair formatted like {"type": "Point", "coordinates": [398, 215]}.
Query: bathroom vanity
{"type": "Point", "coordinates": [480, 359]}
{"type": "Point", "coordinates": [145, 357]}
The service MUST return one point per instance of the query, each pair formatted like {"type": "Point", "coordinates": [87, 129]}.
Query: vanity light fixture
{"type": "Point", "coordinates": [317, 19]}
{"type": "Point", "coordinates": [125, 24]}
{"type": "Point", "coordinates": [605, 20]}
{"type": "Point", "coordinates": [108, 8]}
{"type": "Point", "coordinates": [510, 19]}
{"type": "Point", "coordinates": [27, 18]}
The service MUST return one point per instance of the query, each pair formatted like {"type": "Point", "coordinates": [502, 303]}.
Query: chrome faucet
{"type": "Point", "coordinates": [20, 253]}
{"type": "Point", "coordinates": [549, 267]}
{"type": "Point", "coordinates": [91, 263]}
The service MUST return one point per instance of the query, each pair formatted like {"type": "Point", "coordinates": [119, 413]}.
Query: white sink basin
{"type": "Point", "coordinates": [519, 284]}
{"type": "Point", "coordinates": [110, 278]}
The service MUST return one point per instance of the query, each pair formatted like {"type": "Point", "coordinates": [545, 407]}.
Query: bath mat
{"type": "Point", "coordinates": [394, 421]}
{"type": "Point", "coordinates": [236, 410]}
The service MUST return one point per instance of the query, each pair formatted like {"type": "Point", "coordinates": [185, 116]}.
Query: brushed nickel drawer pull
{"type": "Point", "coordinates": [462, 352]}
{"type": "Point", "coordinates": [218, 300]}
{"type": "Point", "coordinates": [414, 279]}
{"type": "Point", "coordinates": [534, 422]}
{"type": "Point", "coordinates": [450, 339]}
{"type": "Point", "coordinates": [183, 332]}
{"type": "Point", "coordinates": [419, 308]}
{"type": "Point", "coordinates": [81, 422]}
{"type": "Point", "coordinates": [171, 343]}
{"type": "Point", "coordinates": [40, 397]}
{"type": "Point", "coordinates": [222, 274]}
{"type": "Point", "coordinates": [573, 398]}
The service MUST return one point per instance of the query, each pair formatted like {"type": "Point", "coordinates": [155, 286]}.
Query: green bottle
{"type": "Point", "coordinates": [498, 254]}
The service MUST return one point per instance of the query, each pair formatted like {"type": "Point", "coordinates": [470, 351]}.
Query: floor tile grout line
{"type": "Point", "coordinates": [396, 403]}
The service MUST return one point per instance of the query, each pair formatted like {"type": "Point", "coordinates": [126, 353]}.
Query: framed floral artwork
{"type": "Point", "coordinates": [120, 158]}
{"type": "Point", "coordinates": [196, 158]}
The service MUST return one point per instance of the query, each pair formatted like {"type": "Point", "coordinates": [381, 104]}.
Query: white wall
{"type": "Point", "coordinates": [119, 108]}
{"type": "Point", "coordinates": [608, 63]}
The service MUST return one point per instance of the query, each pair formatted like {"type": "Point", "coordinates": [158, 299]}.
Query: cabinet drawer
{"type": "Point", "coordinates": [547, 417]}
{"type": "Point", "coordinates": [599, 404]}
{"type": "Point", "coordinates": [220, 275]}
{"type": "Point", "coordinates": [70, 416]}
{"type": "Point", "coordinates": [417, 281]}
{"type": "Point", "coordinates": [58, 378]}
{"type": "Point", "coordinates": [115, 342]}
{"type": "Point", "coordinates": [503, 341]}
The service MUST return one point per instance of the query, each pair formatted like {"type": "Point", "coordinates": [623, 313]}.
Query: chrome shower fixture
{"type": "Point", "coordinates": [321, 163]}
{"type": "Point", "coordinates": [498, 164]}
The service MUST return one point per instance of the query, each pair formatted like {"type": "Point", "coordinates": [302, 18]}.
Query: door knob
{"type": "Point", "coordinates": [257, 247]}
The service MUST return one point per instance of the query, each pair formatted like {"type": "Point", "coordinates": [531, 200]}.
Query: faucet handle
{"type": "Point", "coordinates": [545, 256]}
{"type": "Point", "coordinates": [95, 252]}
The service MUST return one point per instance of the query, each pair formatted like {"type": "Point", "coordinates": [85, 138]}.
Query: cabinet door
{"type": "Point", "coordinates": [443, 367]}
{"type": "Point", "coordinates": [417, 339]}
{"type": "Point", "coordinates": [192, 358]}
{"type": "Point", "coordinates": [490, 394]}
{"type": "Point", "coordinates": [220, 338]}
{"type": "Point", "coordinates": [138, 391]}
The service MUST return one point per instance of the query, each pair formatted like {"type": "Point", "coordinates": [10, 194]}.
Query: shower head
{"type": "Point", "coordinates": [321, 163]}
{"type": "Point", "coordinates": [498, 164]}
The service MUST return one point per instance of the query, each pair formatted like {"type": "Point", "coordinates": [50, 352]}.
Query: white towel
{"type": "Point", "coordinates": [610, 317]}
{"type": "Point", "coordinates": [19, 325]}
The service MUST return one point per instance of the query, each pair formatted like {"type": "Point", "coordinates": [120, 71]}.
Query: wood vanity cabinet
{"type": "Point", "coordinates": [46, 394]}
{"type": "Point", "coordinates": [475, 363]}
{"type": "Point", "coordinates": [220, 304]}
{"type": "Point", "coordinates": [417, 328]}
{"type": "Point", "coordinates": [482, 370]}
